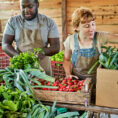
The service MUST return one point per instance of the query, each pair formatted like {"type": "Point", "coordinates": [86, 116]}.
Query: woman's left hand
{"type": "Point", "coordinates": [72, 76]}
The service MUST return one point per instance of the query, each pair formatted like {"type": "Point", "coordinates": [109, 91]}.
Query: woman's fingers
{"type": "Point", "coordinates": [72, 76]}
{"type": "Point", "coordinates": [75, 77]}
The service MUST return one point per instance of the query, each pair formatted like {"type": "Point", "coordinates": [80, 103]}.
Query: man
{"type": "Point", "coordinates": [31, 30]}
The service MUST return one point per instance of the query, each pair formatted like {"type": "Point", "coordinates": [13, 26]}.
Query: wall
{"type": "Point", "coordinates": [106, 12]}
{"type": "Point", "coordinates": [51, 8]}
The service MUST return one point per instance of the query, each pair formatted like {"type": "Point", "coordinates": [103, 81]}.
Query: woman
{"type": "Point", "coordinates": [84, 45]}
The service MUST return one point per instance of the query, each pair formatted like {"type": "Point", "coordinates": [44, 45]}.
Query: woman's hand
{"type": "Point", "coordinates": [72, 76]}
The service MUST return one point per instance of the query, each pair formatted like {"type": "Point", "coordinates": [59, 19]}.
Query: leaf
{"type": "Point", "coordinates": [53, 110]}
{"type": "Point", "coordinates": [8, 81]}
{"type": "Point", "coordinates": [43, 86]}
{"type": "Point", "coordinates": [67, 114]}
{"type": "Point", "coordinates": [10, 105]}
{"type": "Point", "coordinates": [6, 95]}
{"type": "Point", "coordinates": [18, 83]}
{"type": "Point", "coordinates": [41, 115]}
{"type": "Point", "coordinates": [113, 59]}
{"type": "Point", "coordinates": [93, 67]}
{"type": "Point", "coordinates": [83, 115]}
{"type": "Point", "coordinates": [26, 80]}
{"type": "Point", "coordinates": [48, 112]}
{"type": "Point", "coordinates": [40, 75]}
{"type": "Point", "coordinates": [35, 110]}
{"type": "Point", "coordinates": [35, 81]}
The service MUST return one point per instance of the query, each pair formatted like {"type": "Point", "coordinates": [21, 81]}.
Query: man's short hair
{"type": "Point", "coordinates": [36, 1]}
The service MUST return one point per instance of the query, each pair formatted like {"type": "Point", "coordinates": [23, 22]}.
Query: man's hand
{"type": "Point", "coordinates": [41, 56]}
{"type": "Point", "coordinates": [39, 52]}
{"type": "Point", "coordinates": [7, 45]}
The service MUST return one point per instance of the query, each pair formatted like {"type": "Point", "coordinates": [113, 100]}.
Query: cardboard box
{"type": "Point", "coordinates": [107, 87]}
{"type": "Point", "coordinates": [82, 97]}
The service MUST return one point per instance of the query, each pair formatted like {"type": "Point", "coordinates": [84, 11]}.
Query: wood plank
{"type": "Point", "coordinates": [10, 6]}
{"type": "Point", "coordinates": [98, 10]}
{"type": "Point", "coordinates": [0, 26]}
{"type": "Point", "coordinates": [108, 28]}
{"type": "Point", "coordinates": [92, 108]}
{"type": "Point", "coordinates": [16, 5]}
{"type": "Point", "coordinates": [8, 14]}
{"type": "Point", "coordinates": [63, 97]}
{"type": "Point", "coordinates": [53, 4]}
{"type": "Point", "coordinates": [64, 18]}
{"type": "Point", "coordinates": [6, 1]}
{"type": "Point", "coordinates": [53, 13]}
{"type": "Point", "coordinates": [88, 3]}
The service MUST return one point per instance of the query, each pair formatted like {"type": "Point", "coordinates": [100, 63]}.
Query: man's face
{"type": "Point", "coordinates": [29, 9]}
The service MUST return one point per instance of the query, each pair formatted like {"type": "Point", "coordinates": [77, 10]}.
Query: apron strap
{"type": "Point", "coordinates": [76, 41]}
{"type": "Point", "coordinates": [76, 50]}
{"type": "Point", "coordinates": [95, 43]}
{"type": "Point", "coordinates": [95, 38]}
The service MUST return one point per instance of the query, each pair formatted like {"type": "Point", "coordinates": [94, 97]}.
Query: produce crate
{"type": "Point", "coordinates": [4, 59]}
{"type": "Point", "coordinates": [81, 97]}
{"type": "Point", "coordinates": [57, 69]}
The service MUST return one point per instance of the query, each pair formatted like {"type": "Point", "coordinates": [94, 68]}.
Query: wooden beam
{"type": "Point", "coordinates": [0, 26]}
{"type": "Point", "coordinates": [64, 27]}
{"type": "Point", "coordinates": [92, 108]}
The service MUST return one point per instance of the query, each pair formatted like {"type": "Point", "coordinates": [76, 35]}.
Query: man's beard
{"type": "Point", "coordinates": [32, 16]}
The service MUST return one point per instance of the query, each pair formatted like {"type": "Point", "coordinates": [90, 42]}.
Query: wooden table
{"type": "Point", "coordinates": [92, 108]}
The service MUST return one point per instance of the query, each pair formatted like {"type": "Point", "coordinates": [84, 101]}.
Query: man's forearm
{"type": "Point", "coordinates": [9, 49]}
{"type": "Point", "coordinates": [49, 51]}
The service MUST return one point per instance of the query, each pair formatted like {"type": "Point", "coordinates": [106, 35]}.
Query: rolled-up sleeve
{"type": "Point", "coordinates": [67, 43]}
{"type": "Point", "coordinates": [53, 30]}
{"type": "Point", "coordinates": [9, 28]}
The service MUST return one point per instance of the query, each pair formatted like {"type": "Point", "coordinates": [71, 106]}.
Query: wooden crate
{"type": "Point", "coordinates": [66, 97]}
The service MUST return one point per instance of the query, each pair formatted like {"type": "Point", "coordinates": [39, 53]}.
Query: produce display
{"type": "Point", "coordinates": [17, 104]}
{"type": "Point", "coordinates": [26, 60]}
{"type": "Point", "coordinates": [67, 85]}
{"type": "Point", "coordinates": [23, 71]}
{"type": "Point", "coordinates": [108, 59]}
{"type": "Point", "coordinates": [17, 97]}
{"type": "Point", "coordinates": [58, 57]}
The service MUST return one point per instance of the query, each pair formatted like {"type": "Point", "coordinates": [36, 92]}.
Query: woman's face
{"type": "Point", "coordinates": [86, 30]}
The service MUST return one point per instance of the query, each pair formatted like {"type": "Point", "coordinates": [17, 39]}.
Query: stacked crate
{"type": "Point", "coordinates": [4, 59]}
